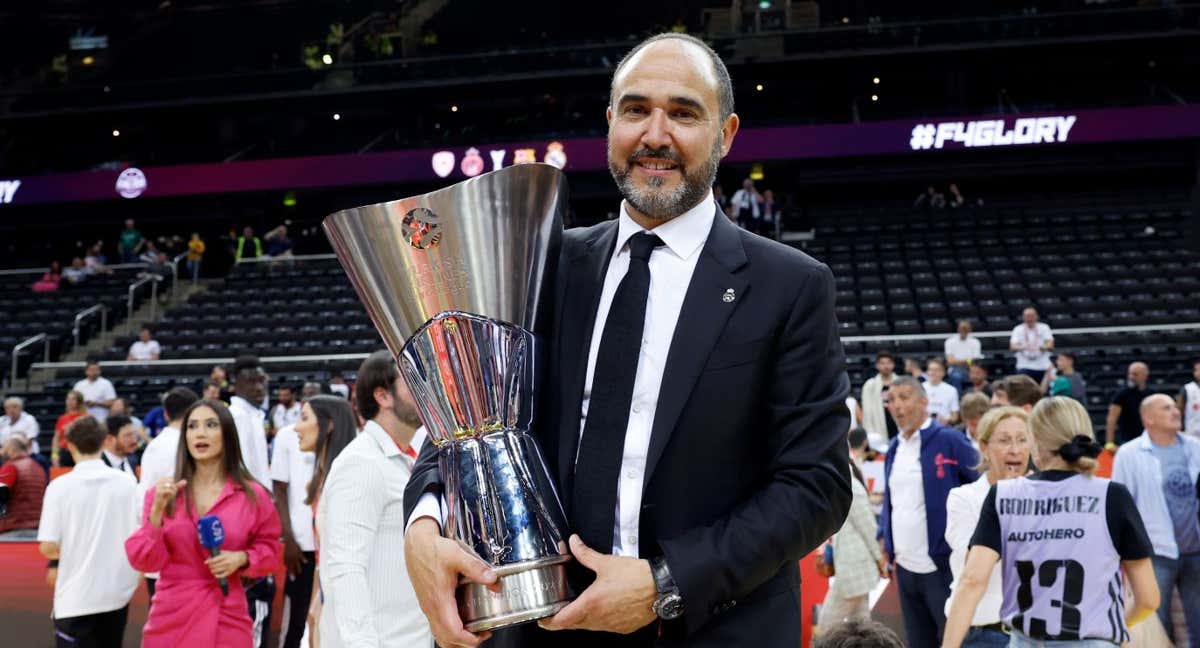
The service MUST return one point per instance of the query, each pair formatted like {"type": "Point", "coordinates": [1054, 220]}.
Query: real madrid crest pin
{"type": "Point", "coordinates": [729, 296]}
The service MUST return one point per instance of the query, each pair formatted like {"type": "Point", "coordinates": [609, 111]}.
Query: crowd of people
{"type": "Point", "coordinates": [943, 494]}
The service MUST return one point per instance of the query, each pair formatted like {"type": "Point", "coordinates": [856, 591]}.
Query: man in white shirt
{"type": "Point", "coordinates": [1188, 401]}
{"type": "Point", "coordinates": [879, 425]}
{"type": "Point", "coordinates": [961, 351]}
{"type": "Point", "coordinates": [146, 348]}
{"type": "Point", "coordinates": [291, 470]}
{"type": "Point", "coordinates": [745, 204]}
{"type": "Point", "coordinates": [17, 421]}
{"type": "Point", "coordinates": [1032, 341]}
{"type": "Point", "coordinates": [158, 459]}
{"type": "Point", "coordinates": [250, 390]}
{"type": "Point", "coordinates": [119, 445]}
{"type": "Point", "coordinates": [86, 516]}
{"type": "Point", "coordinates": [943, 397]}
{"type": "Point", "coordinates": [369, 599]}
{"type": "Point", "coordinates": [98, 392]}
{"type": "Point", "coordinates": [287, 409]}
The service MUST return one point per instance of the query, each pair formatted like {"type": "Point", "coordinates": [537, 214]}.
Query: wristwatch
{"type": "Point", "coordinates": [669, 604]}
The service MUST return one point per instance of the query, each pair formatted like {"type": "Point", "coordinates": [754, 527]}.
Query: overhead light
{"type": "Point", "coordinates": [116, 133]}
{"type": "Point", "coordinates": [327, 59]}
{"type": "Point", "coordinates": [845, 20]}
{"type": "Point", "coordinates": [88, 60]}
{"type": "Point", "coordinates": [337, 116]}
{"type": "Point", "coordinates": [764, 4]}
{"type": "Point", "coordinates": [759, 87]}
{"type": "Point", "coordinates": [875, 80]}
{"type": "Point", "coordinates": [453, 108]}
{"type": "Point", "coordinates": [874, 97]}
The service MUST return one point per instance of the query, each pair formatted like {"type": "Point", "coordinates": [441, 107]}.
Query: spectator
{"type": "Point", "coordinates": [337, 385]}
{"type": "Point", "coordinates": [22, 483]}
{"type": "Point", "coordinates": [287, 409]}
{"type": "Point", "coordinates": [74, 410]}
{"type": "Point", "coordinates": [218, 376]}
{"type": "Point", "coordinates": [1017, 390]}
{"type": "Point", "coordinates": [1063, 380]}
{"type": "Point", "coordinates": [195, 255]}
{"type": "Point", "coordinates": [1031, 341]}
{"type": "Point", "coordinates": [1004, 446]}
{"type": "Point", "coordinates": [931, 199]}
{"type": "Point", "coordinates": [120, 444]}
{"type": "Point", "coordinates": [720, 197]}
{"type": "Point", "coordinates": [51, 280]}
{"type": "Point", "coordinates": [746, 206]}
{"type": "Point", "coordinates": [146, 348]}
{"type": "Point", "coordinates": [879, 425]}
{"type": "Point", "coordinates": [1160, 469]}
{"type": "Point", "coordinates": [858, 561]}
{"type": "Point", "coordinates": [98, 392]}
{"type": "Point", "coordinates": [912, 367]}
{"type": "Point", "coordinates": [158, 460]}
{"type": "Point", "coordinates": [309, 390]}
{"type": "Point", "coordinates": [972, 408]}
{"type": "Point", "coordinates": [249, 246]}
{"type": "Point", "coordinates": [956, 199]}
{"type": "Point", "coordinates": [962, 351]}
{"type": "Point", "coordinates": [770, 213]}
{"type": "Point", "coordinates": [943, 398]}
{"type": "Point", "coordinates": [77, 272]}
{"type": "Point", "coordinates": [95, 261]}
{"type": "Point", "coordinates": [1124, 422]}
{"type": "Point", "coordinates": [120, 408]}
{"type": "Point", "coordinates": [1074, 598]}
{"type": "Point", "coordinates": [157, 266]}
{"type": "Point", "coordinates": [323, 418]}
{"type": "Point", "coordinates": [86, 517]}
{"type": "Point", "coordinates": [17, 421]}
{"type": "Point", "coordinates": [859, 633]}
{"type": "Point", "coordinates": [212, 391]}
{"type": "Point", "coordinates": [978, 380]}
{"type": "Point", "coordinates": [369, 598]}
{"type": "Point", "coordinates": [149, 254]}
{"type": "Point", "coordinates": [923, 464]}
{"type": "Point", "coordinates": [154, 421]}
{"type": "Point", "coordinates": [278, 243]}
{"type": "Point", "coordinates": [210, 478]}
{"type": "Point", "coordinates": [1189, 402]}
{"type": "Point", "coordinates": [130, 243]}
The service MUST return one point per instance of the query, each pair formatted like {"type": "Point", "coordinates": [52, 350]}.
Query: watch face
{"type": "Point", "coordinates": [669, 607]}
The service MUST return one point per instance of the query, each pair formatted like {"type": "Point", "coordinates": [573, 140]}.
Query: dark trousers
{"type": "Point", "coordinates": [259, 594]}
{"type": "Point", "coordinates": [1033, 373]}
{"type": "Point", "coordinates": [297, 593]}
{"type": "Point", "coordinates": [923, 603]}
{"type": "Point", "coordinates": [103, 630]}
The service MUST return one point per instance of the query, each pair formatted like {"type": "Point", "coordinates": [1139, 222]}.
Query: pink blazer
{"type": "Point", "coordinates": [188, 608]}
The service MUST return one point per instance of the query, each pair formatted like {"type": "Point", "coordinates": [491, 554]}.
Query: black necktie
{"type": "Point", "coordinates": [598, 467]}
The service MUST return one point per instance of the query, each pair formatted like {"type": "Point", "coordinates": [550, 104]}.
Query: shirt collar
{"type": "Point", "coordinates": [90, 464]}
{"type": "Point", "coordinates": [238, 401]}
{"type": "Point", "coordinates": [683, 235]}
{"type": "Point", "coordinates": [114, 459]}
{"type": "Point", "coordinates": [385, 441]}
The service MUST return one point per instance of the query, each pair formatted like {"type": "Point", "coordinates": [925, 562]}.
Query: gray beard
{"type": "Point", "coordinates": [665, 205]}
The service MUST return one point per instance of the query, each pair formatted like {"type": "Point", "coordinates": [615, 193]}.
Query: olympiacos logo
{"type": "Point", "coordinates": [443, 163]}
{"type": "Point", "coordinates": [131, 183]}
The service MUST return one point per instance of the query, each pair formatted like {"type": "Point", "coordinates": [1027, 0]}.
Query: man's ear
{"type": "Point", "coordinates": [383, 398]}
{"type": "Point", "coordinates": [729, 130]}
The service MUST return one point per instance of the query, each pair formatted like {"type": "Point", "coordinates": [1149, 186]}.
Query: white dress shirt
{"type": "Point", "coordinates": [1029, 342]}
{"type": "Point", "coordinates": [671, 268]}
{"type": "Point", "coordinates": [119, 463]}
{"type": "Point", "coordinates": [252, 436]}
{"type": "Point", "coordinates": [25, 425]}
{"type": "Point", "coordinates": [89, 512]}
{"type": "Point", "coordinates": [96, 391]}
{"type": "Point", "coordinates": [963, 506]}
{"type": "Point", "coordinates": [943, 399]}
{"type": "Point", "coordinates": [910, 535]}
{"type": "Point", "coordinates": [294, 467]}
{"type": "Point", "coordinates": [963, 350]}
{"type": "Point", "coordinates": [282, 417]}
{"type": "Point", "coordinates": [369, 599]}
{"type": "Point", "coordinates": [144, 350]}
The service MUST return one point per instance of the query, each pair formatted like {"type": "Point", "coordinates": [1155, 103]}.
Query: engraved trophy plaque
{"type": "Point", "coordinates": [452, 280]}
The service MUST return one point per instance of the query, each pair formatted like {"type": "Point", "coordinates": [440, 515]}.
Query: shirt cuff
{"type": "Point", "coordinates": [430, 506]}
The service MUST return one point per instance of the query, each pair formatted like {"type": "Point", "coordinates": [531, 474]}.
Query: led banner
{"type": "Point", "coordinates": [909, 136]}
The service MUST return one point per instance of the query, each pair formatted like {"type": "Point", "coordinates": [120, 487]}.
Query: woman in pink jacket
{"type": "Point", "coordinates": [188, 608]}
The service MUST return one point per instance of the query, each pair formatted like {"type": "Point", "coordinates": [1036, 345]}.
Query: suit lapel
{"type": "Point", "coordinates": [585, 269]}
{"type": "Point", "coordinates": [701, 321]}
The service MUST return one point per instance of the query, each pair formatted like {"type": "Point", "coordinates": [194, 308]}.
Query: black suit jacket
{"type": "Point", "coordinates": [747, 469]}
{"type": "Point", "coordinates": [132, 460]}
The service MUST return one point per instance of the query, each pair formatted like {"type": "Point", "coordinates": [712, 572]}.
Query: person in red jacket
{"type": "Point", "coordinates": [22, 485]}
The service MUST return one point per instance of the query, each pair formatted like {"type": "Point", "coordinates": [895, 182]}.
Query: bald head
{"type": "Point", "coordinates": [1160, 414]}
{"type": "Point", "coordinates": [15, 447]}
{"type": "Point", "coordinates": [697, 55]}
{"type": "Point", "coordinates": [1139, 373]}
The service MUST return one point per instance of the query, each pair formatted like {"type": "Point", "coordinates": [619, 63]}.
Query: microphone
{"type": "Point", "coordinates": [212, 535]}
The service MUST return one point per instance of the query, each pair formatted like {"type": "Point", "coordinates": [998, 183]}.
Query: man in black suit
{"type": "Point", "coordinates": [693, 410]}
{"type": "Point", "coordinates": [120, 444]}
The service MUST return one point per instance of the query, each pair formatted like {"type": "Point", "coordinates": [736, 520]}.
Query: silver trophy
{"type": "Point", "coordinates": [452, 279]}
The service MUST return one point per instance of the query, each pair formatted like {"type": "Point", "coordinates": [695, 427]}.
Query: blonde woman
{"type": "Point", "coordinates": [857, 561]}
{"type": "Point", "coordinates": [1062, 538]}
{"type": "Point", "coordinates": [1004, 446]}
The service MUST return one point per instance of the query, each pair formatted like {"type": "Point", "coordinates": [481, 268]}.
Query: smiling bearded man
{"type": "Point", "coordinates": [693, 407]}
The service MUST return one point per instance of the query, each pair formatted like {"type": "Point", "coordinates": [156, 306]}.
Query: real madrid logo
{"type": "Point", "coordinates": [421, 228]}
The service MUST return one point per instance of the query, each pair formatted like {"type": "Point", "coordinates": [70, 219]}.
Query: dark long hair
{"type": "Point", "coordinates": [336, 428]}
{"type": "Point", "coordinates": [231, 453]}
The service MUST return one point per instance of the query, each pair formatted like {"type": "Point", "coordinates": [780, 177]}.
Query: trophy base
{"type": "Point", "coordinates": [529, 590]}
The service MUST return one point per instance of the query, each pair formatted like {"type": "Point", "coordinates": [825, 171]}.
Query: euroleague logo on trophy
{"type": "Point", "coordinates": [421, 229]}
